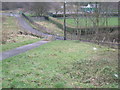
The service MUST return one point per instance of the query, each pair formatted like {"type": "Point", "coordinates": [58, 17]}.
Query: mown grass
{"type": "Point", "coordinates": [62, 64]}
{"type": "Point", "coordinates": [11, 36]}
{"type": "Point", "coordinates": [112, 21]}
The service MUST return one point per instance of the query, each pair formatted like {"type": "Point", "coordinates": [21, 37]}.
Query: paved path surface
{"type": "Point", "coordinates": [25, 48]}
{"type": "Point", "coordinates": [21, 49]}
{"type": "Point", "coordinates": [27, 27]}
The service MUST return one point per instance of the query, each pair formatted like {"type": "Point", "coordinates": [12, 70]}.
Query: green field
{"type": "Point", "coordinates": [62, 64]}
{"type": "Point", "coordinates": [112, 21]}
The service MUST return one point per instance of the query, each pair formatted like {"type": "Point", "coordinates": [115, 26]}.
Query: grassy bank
{"type": "Point", "coordinates": [52, 28]}
{"type": "Point", "coordinates": [62, 64]}
{"type": "Point", "coordinates": [12, 36]}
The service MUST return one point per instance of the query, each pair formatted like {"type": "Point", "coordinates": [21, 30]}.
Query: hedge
{"type": "Point", "coordinates": [68, 27]}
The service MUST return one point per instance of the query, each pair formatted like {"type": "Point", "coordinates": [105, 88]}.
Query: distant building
{"type": "Point", "coordinates": [89, 8]}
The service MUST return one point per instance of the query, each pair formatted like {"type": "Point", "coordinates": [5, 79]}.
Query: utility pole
{"type": "Point", "coordinates": [64, 27]}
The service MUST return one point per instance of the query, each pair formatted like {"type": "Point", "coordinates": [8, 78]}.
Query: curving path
{"type": "Point", "coordinates": [27, 27]}
{"type": "Point", "coordinates": [21, 49]}
{"type": "Point", "coordinates": [25, 48]}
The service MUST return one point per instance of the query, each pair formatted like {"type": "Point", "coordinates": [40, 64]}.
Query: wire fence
{"type": "Point", "coordinates": [106, 35]}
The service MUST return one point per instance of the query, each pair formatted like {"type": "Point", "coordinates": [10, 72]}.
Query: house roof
{"type": "Point", "coordinates": [90, 6]}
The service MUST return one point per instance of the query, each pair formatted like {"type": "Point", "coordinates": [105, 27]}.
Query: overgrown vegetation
{"type": "Point", "coordinates": [62, 64]}
{"type": "Point", "coordinates": [108, 34]}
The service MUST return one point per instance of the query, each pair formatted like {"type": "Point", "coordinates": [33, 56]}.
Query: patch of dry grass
{"type": "Point", "coordinates": [13, 34]}
{"type": "Point", "coordinates": [53, 29]}
{"type": "Point", "coordinates": [11, 31]}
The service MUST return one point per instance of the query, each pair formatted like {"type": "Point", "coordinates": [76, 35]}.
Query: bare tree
{"type": "Point", "coordinates": [8, 5]}
{"type": "Point", "coordinates": [12, 5]}
{"type": "Point", "coordinates": [40, 8]}
{"type": "Point", "coordinates": [56, 6]}
{"type": "Point", "coordinates": [76, 18]}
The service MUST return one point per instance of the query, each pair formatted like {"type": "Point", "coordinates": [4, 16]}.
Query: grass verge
{"type": "Point", "coordinates": [52, 28]}
{"type": "Point", "coordinates": [62, 64]}
{"type": "Point", "coordinates": [10, 46]}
